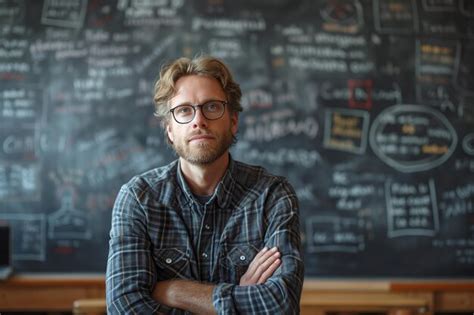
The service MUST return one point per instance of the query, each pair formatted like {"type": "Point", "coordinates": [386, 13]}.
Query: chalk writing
{"type": "Point", "coordinates": [411, 209]}
{"type": "Point", "coordinates": [395, 16]}
{"type": "Point", "coordinates": [334, 234]}
{"type": "Point", "coordinates": [346, 130]}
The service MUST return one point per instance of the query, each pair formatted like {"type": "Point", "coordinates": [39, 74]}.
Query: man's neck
{"type": "Point", "coordinates": [203, 179]}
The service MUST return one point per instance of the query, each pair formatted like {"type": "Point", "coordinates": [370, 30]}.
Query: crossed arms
{"type": "Point", "coordinates": [271, 284]}
{"type": "Point", "coordinates": [196, 297]}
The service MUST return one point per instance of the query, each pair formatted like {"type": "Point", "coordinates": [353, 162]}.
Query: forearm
{"type": "Point", "coordinates": [269, 298]}
{"type": "Point", "coordinates": [187, 295]}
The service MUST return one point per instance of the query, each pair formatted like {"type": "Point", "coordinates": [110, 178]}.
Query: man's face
{"type": "Point", "coordinates": [201, 141]}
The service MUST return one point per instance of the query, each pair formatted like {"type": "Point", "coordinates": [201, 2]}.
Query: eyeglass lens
{"type": "Point", "coordinates": [211, 110]}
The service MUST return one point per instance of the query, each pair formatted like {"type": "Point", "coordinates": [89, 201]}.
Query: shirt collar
{"type": "Point", "coordinates": [222, 194]}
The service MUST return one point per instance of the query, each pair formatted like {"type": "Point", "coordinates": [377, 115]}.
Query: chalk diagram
{"type": "Point", "coordinates": [68, 223]}
{"type": "Point", "coordinates": [412, 138]}
{"type": "Point", "coordinates": [346, 13]}
{"type": "Point", "coordinates": [64, 13]}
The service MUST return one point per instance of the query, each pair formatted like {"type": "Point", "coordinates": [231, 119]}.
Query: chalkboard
{"type": "Point", "coordinates": [366, 106]}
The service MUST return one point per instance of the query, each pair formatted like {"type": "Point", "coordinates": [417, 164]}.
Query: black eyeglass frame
{"type": "Point", "coordinates": [200, 106]}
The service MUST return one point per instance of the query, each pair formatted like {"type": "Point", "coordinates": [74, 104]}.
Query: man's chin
{"type": "Point", "coordinates": [202, 154]}
{"type": "Point", "coordinates": [202, 159]}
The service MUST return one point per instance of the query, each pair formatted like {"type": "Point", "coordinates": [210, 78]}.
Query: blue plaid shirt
{"type": "Point", "coordinates": [161, 231]}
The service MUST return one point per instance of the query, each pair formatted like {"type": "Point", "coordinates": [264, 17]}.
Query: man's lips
{"type": "Point", "coordinates": [200, 137]}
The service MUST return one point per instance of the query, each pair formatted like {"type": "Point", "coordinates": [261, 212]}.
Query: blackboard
{"type": "Point", "coordinates": [366, 106]}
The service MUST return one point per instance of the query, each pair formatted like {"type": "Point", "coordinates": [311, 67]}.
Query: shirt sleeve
{"type": "Point", "coordinates": [131, 271]}
{"type": "Point", "coordinates": [281, 293]}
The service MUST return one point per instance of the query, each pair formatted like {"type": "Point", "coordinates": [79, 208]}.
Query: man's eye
{"type": "Point", "coordinates": [212, 107]}
{"type": "Point", "coordinates": [184, 110]}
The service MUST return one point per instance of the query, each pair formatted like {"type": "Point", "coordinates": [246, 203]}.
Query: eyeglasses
{"type": "Point", "coordinates": [211, 110]}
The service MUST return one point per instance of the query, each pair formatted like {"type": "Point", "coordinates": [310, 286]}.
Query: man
{"type": "Point", "coordinates": [204, 234]}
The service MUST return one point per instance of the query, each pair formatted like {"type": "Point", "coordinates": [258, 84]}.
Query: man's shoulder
{"type": "Point", "coordinates": [255, 175]}
{"type": "Point", "coordinates": [153, 178]}
{"type": "Point", "coordinates": [254, 182]}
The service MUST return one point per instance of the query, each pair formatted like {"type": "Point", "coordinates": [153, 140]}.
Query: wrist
{"type": "Point", "coordinates": [163, 292]}
{"type": "Point", "coordinates": [171, 292]}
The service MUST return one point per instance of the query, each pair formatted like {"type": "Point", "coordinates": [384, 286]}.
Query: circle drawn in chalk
{"type": "Point", "coordinates": [412, 138]}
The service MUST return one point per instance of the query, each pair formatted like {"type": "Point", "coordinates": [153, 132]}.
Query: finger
{"type": "Point", "coordinates": [252, 265]}
{"type": "Point", "coordinates": [258, 270]}
{"type": "Point", "coordinates": [269, 260]}
{"type": "Point", "coordinates": [259, 265]}
{"type": "Point", "coordinates": [267, 254]}
{"type": "Point", "coordinates": [261, 257]}
{"type": "Point", "coordinates": [261, 253]}
{"type": "Point", "coordinates": [269, 272]}
{"type": "Point", "coordinates": [267, 263]}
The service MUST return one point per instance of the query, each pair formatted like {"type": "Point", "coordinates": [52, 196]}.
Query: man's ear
{"type": "Point", "coordinates": [169, 133]}
{"type": "Point", "coordinates": [234, 122]}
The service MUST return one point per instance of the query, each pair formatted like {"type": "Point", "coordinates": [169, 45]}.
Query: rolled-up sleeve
{"type": "Point", "coordinates": [131, 272]}
{"type": "Point", "coordinates": [281, 293]}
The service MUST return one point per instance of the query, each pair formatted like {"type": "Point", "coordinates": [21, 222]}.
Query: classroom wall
{"type": "Point", "coordinates": [366, 106]}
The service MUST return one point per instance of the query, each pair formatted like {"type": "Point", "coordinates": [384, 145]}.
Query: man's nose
{"type": "Point", "coordinates": [199, 120]}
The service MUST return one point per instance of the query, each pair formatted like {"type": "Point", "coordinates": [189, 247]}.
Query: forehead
{"type": "Point", "coordinates": [196, 89]}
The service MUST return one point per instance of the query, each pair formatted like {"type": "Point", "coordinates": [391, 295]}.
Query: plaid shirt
{"type": "Point", "coordinates": [160, 231]}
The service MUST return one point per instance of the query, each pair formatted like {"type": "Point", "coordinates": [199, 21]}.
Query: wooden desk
{"type": "Point", "coordinates": [89, 307]}
{"type": "Point", "coordinates": [48, 292]}
{"type": "Point", "coordinates": [58, 293]}
{"type": "Point", "coordinates": [447, 296]}
{"type": "Point", "coordinates": [322, 296]}
{"type": "Point", "coordinates": [316, 303]}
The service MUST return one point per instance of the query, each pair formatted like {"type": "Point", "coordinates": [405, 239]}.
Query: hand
{"type": "Point", "coordinates": [262, 267]}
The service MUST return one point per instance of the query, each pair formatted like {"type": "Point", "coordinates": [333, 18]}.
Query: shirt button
{"type": "Point", "coordinates": [242, 257]}
{"type": "Point", "coordinates": [168, 260]}
{"type": "Point", "coordinates": [204, 255]}
{"type": "Point", "coordinates": [207, 227]}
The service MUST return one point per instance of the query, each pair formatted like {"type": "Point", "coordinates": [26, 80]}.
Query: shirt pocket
{"type": "Point", "coordinates": [172, 263]}
{"type": "Point", "coordinates": [237, 259]}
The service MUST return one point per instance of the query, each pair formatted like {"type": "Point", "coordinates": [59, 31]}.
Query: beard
{"type": "Point", "coordinates": [204, 153]}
